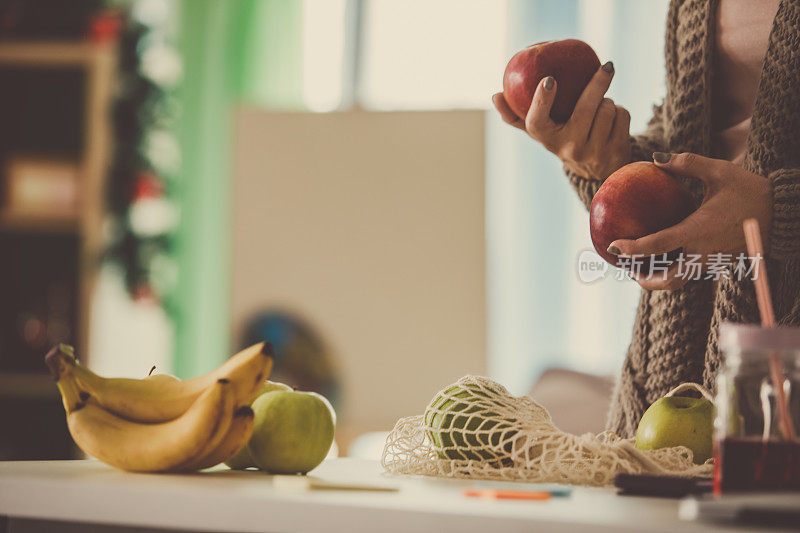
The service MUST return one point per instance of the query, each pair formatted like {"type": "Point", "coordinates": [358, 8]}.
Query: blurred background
{"type": "Point", "coordinates": [182, 178]}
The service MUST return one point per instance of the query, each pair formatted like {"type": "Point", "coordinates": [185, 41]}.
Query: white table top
{"type": "Point", "coordinates": [224, 500]}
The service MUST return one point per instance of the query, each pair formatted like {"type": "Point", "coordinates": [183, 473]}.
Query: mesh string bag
{"type": "Point", "coordinates": [475, 429]}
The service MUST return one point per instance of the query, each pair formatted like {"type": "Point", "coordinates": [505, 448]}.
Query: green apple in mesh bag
{"type": "Point", "coordinates": [460, 428]}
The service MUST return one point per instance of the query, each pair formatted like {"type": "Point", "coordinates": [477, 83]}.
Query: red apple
{"type": "Point", "coordinates": [571, 62]}
{"type": "Point", "coordinates": [636, 200]}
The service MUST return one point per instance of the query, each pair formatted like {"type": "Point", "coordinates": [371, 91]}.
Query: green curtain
{"type": "Point", "coordinates": [268, 35]}
{"type": "Point", "coordinates": [232, 51]}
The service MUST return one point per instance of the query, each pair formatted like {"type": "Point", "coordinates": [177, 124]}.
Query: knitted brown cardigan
{"type": "Point", "coordinates": [675, 332]}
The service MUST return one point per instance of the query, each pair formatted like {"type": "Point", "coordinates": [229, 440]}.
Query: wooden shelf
{"type": "Point", "coordinates": [96, 64]}
{"type": "Point", "coordinates": [39, 222]}
{"type": "Point", "coordinates": [51, 53]}
{"type": "Point", "coordinates": [27, 385]}
{"type": "Point", "coordinates": [99, 61]}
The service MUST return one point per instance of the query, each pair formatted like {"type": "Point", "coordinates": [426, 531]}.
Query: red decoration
{"type": "Point", "coordinates": [104, 27]}
{"type": "Point", "coordinates": [147, 185]}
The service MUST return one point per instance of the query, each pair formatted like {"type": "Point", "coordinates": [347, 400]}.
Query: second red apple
{"type": "Point", "coordinates": [636, 200]}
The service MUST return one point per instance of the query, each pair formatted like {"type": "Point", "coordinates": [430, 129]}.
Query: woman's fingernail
{"type": "Point", "coordinates": [609, 67]}
{"type": "Point", "coordinates": [549, 81]}
{"type": "Point", "coordinates": [661, 157]}
{"type": "Point", "coordinates": [613, 250]}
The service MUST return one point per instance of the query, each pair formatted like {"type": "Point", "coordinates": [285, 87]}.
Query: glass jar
{"type": "Point", "coordinates": [750, 451]}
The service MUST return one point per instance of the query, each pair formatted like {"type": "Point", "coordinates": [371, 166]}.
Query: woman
{"type": "Point", "coordinates": [729, 125]}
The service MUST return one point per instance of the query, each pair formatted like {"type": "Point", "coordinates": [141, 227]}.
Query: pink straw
{"type": "Point", "coordinates": [752, 236]}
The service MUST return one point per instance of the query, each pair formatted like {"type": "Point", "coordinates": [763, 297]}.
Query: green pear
{"type": "Point", "coordinates": [292, 433]}
{"type": "Point", "coordinates": [678, 421]}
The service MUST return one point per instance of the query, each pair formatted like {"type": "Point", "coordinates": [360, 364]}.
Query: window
{"type": "Point", "coordinates": [446, 54]}
{"type": "Point", "coordinates": [422, 54]}
{"type": "Point", "coordinates": [411, 54]}
{"type": "Point", "coordinates": [324, 23]}
{"type": "Point", "coordinates": [540, 314]}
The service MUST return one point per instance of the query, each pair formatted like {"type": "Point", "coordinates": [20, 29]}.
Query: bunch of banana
{"type": "Point", "coordinates": [161, 424]}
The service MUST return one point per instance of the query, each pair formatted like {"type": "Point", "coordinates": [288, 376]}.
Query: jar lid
{"type": "Point", "coordinates": [754, 337]}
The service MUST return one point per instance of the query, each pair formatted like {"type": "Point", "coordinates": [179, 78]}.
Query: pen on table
{"type": "Point", "coordinates": [556, 490]}
{"type": "Point", "coordinates": [494, 494]}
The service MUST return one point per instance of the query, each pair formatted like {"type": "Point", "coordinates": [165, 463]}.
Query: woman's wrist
{"type": "Point", "coordinates": [597, 170]}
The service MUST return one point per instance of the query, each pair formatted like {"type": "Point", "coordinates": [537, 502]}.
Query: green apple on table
{"type": "Point", "coordinates": [678, 421]}
{"type": "Point", "coordinates": [269, 386]}
{"type": "Point", "coordinates": [293, 432]}
{"type": "Point", "coordinates": [242, 460]}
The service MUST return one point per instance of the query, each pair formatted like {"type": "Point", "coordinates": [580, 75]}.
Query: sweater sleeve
{"type": "Point", "coordinates": [785, 232]}
{"type": "Point", "coordinates": [642, 148]}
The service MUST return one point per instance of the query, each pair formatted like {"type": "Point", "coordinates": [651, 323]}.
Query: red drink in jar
{"type": "Point", "coordinates": [752, 464]}
{"type": "Point", "coordinates": [750, 450]}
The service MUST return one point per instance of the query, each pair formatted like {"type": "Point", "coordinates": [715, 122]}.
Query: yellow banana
{"type": "Point", "coordinates": [71, 395]}
{"type": "Point", "coordinates": [235, 439]}
{"type": "Point", "coordinates": [158, 400]}
{"type": "Point", "coordinates": [57, 361]}
{"type": "Point", "coordinates": [145, 447]}
{"type": "Point", "coordinates": [213, 441]}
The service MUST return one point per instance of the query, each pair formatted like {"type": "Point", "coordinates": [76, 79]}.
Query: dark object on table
{"type": "Point", "coordinates": [660, 486]}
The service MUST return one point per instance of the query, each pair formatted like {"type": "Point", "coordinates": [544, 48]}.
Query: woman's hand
{"type": "Point", "coordinates": [732, 194]}
{"type": "Point", "coordinates": [595, 140]}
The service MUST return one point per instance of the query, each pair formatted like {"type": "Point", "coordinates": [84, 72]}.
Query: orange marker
{"type": "Point", "coordinates": [492, 494]}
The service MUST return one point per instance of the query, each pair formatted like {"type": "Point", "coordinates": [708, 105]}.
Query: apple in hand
{"type": "Point", "coordinates": [571, 62]}
{"type": "Point", "coordinates": [678, 421]}
{"type": "Point", "coordinates": [292, 432]}
{"type": "Point", "coordinates": [636, 200]}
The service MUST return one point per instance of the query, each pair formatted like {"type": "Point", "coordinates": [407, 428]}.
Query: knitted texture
{"type": "Point", "coordinates": [675, 335]}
